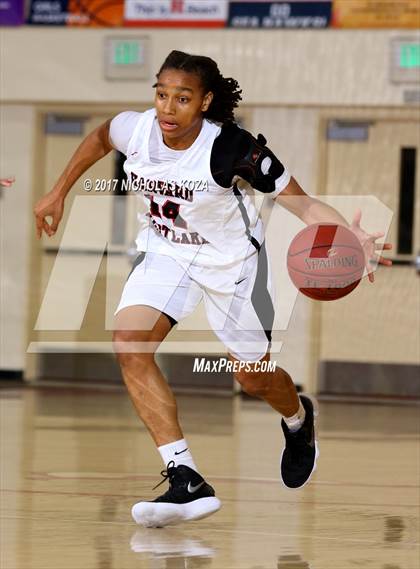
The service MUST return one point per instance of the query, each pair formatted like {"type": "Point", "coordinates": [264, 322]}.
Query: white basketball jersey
{"type": "Point", "coordinates": [190, 217]}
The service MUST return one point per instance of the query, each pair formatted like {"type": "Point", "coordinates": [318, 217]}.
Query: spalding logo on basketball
{"type": "Point", "coordinates": [325, 261]}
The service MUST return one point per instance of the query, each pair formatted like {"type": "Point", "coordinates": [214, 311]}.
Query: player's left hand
{"type": "Point", "coordinates": [370, 247]}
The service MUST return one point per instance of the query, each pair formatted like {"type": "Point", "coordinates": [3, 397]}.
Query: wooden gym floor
{"type": "Point", "coordinates": [75, 460]}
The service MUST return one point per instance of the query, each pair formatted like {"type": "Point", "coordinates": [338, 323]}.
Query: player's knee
{"type": "Point", "coordinates": [256, 384]}
{"type": "Point", "coordinates": [129, 347]}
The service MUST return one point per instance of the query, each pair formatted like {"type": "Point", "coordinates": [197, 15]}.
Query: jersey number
{"type": "Point", "coordinates": [170, 210]}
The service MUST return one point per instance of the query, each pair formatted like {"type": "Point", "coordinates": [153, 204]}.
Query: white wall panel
{"type": "Point", "coordinates": [328, 67]}
{"type": "Point", "coordinates": [292, 134]}
{"type": "Point", "coordinates": [16, 229]}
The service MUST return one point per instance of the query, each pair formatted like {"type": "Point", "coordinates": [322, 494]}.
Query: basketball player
{"type": "Point", "coordinates": [203, 240]}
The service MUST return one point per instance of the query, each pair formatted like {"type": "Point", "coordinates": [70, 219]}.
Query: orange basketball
{"type": "Point", "coordinates": [325, 261]}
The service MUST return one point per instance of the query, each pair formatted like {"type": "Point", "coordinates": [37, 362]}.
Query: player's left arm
{"type": "Point", "coordinates": [259, 166]}
{"type": "Point", "coordinates": [311, 210]}
{"type": "Point", "coordinates": [307, 208]}
{"type": "Point", "coordinates": [238, 153]}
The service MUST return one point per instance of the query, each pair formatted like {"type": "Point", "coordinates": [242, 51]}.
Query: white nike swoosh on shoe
{"type": "Point", "coordinates": [191, 489]}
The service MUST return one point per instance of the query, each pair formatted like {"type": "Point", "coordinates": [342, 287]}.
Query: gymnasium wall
{"type": "Point", "coordinates": [17, 132]}
{"type": "Point", "coordinates": [285, 95]}
{"type": "Point", "coordinates": [273, 67]}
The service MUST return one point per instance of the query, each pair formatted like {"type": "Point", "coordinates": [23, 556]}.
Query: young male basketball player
{"type": "Point", "coordinates": [203, 240]}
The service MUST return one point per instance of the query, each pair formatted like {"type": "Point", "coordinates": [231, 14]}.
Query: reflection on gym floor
{"type": "Point", "coordinates": [75, 460]}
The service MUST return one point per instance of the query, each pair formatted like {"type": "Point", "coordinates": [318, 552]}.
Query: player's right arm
{"type": "Point", "coordinates": [7, 182]}
{"type": "Point", "coordinates": [94, 147]}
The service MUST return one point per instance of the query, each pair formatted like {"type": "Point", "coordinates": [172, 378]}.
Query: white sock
{"type": "Point", "coordinates": [295, 422]}
{"type": "Point", "coordinates": [178, 452]}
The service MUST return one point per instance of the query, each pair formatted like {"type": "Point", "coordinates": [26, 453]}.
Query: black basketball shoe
{"type": "Point", "coordinates": [189, 498]}
{"type": "Point", "coordinates": [298, 459]}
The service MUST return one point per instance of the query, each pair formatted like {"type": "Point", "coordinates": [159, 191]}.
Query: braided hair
{"type": "Point", "coordinates": [226, 91]}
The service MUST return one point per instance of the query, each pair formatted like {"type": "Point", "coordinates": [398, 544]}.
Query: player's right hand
{"type": "Point", "coordinates": [7, 182]}
{"type": "Point", "coordinates": [51, 205]}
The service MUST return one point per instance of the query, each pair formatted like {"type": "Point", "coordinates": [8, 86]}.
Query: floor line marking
{"type": "Point", "coordinates": [134, 477]}
{"type": "Point", "coordinates": [238, 500]}
{"type": "Point", "coordinates": [224, 530]}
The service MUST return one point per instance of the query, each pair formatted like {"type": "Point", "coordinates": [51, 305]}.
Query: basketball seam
{"type": "Point", "coordinates": [333, 246]}
{"type": "Point", "coordinates": [323, 275]}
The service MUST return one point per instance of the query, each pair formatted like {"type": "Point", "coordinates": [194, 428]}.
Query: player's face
{"type": "Point", "coordinates": [180, 102]}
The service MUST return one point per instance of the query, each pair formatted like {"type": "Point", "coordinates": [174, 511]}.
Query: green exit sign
{"type": "Point", "coordinates": [127, 58]}
{"type": "Point", "coordinates": [127, 53]}
{"type": "Point", "coordinates": [405, 60]}
{"type": "Point", "coordinates": [410, 55]}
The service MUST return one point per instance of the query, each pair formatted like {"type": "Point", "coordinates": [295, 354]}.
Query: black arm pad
{"type": "Point", "coordinates": [236, 152]}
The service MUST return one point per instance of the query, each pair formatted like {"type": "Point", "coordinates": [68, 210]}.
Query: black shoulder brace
{"type": "Point", "coordinates": [236, 152]}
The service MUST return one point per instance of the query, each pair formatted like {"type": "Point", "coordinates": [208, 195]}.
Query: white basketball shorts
{"type": "Point", "coordinates": [238, 299]}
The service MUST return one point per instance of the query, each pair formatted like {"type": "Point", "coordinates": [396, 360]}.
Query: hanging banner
{"type": "Point", "coordinates": [96, 13]}
{"type": "Point", "coordinates": [11, 12]}
{"type": "Point", "coordinates": [292, 14]}
{"type": "Point", "coordinates": [85, 13]}
{"type": "Point", "coordinates": [51, 13]}
{"type": "Point", "coordinates": [176, 13]}
{"type": "Point", "coordinates": [376, 14]}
